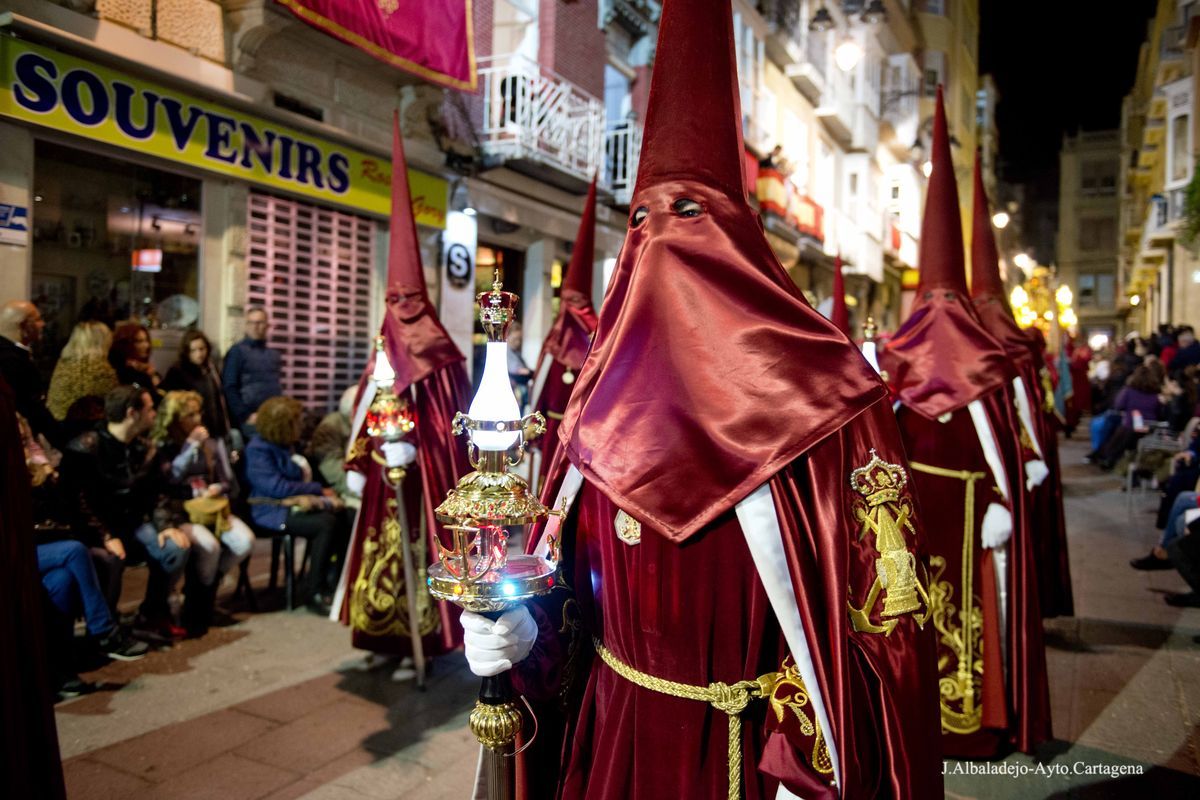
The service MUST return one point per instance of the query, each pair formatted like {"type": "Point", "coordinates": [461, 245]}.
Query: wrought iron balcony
{"type": "Point", "coordinates": [783, 26]}
{"type": "Point", "coordinates": [535, 119]}
{"type": "Point", "coordinates": [622, 146]}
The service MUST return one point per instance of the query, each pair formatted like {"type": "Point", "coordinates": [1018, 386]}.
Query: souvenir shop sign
{"type": "Point", "coordinates": [47, 88]}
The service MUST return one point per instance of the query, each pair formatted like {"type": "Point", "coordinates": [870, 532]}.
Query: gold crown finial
{"type": "Point", "coordinates": [497, 284]}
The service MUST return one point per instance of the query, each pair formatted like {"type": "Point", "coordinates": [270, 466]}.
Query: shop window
{"type": "Point", "coordinates": [93, 218]}
{"type": "Point", "coordinates": [310, 268]}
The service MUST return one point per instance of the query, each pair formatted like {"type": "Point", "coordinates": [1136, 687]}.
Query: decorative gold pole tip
{"type": "Point", "coordinates": [497, 284]}
{"type": "Point", "coordinates": [869, 329]}
{"type": "Point", "coordinates": [495, 726]}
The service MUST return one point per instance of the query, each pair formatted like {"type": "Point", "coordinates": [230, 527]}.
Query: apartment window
{"type": "Point", "coordinates": [934, 7]}
{"type": "Point", "coordinates": [935, 71]}
{"type": "Point", "coordinates": [1097, 233]}
{"type": "Point", "coordinates": [750, 54]}
{"type": "Point", "coordinates": [1096, 290]}
{"type": "Point", "coordinates": [795, 147]}
{"type": "Point", "coordinates": [1180, 152]}
{"type": "Point", "coordinates": [1098, 177]}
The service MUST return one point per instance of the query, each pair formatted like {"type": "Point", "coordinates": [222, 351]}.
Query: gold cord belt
{"type": "Point", "coordinates": [730, 698]}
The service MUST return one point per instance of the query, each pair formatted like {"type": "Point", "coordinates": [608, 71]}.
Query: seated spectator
{"type": "Point", "coordinates": [1174, 528]}
{"type": "Point", "coordinates": [196, 372]}
{"type": "Point", "coordinates": [111, 469]}
{"type": "Point", "coordinates": [70, 580]}
{"type": "Point", "coordinates": [130, 357]}
{"type": "Point", "coordinates": [1179, 400]}
{"type": "Point", "coordinates": [82, 369]}
{"type": "Point", "coordinates": [1188, 352]}
{"type": "Point", "coordinates": [52, 518]}
{"type": "Point", "coordinates": [195, 465]}
{"type": "Point", "coordinates": [284, 496]}
{"type": "Point", "coordinates": [328, 447]}
{"type": "Point", "coordinates": [1138, 405]}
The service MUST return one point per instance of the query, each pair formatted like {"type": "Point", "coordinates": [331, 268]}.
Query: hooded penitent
{"type": "Point", "coordinates": [991, 304]}
{"type": "Point", "coordinates": [961, 432]}
{"type": "Point", "coordinates": [733, 476]}
{"type": "Point", "coordinates": [431, 376]}
{"type": "Point", "coordinates": [841, 315]}
{"type": "Point", "coordinates": [570, 336]}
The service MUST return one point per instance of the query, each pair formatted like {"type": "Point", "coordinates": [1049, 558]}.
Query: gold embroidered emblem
{"type": "Point", "coordinates": [785, 692]}
{"type": "Point", "coordinates": [358, 448]}
{"type": "Point", "coordinates": [885, 510]}
{"type": "Point", "coordinates": [629, 530]}
{"type": "Point", "coordinates": [961, 712]}
{"type": "Point", "coordinates": [388, 7]}
{"type": "Point", "coordinates": [378, 601]}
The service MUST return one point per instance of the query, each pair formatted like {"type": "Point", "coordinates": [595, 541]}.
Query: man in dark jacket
{"type": "Point", "coordinates": [251, 372]}
{"type": "Point", "coordinates": [21, 327]}
{"type": "Point", "coordinates": [111, 468]}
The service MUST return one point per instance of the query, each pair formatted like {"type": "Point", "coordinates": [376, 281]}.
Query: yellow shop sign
{"type": "Point", "coordinates": [47, 88]}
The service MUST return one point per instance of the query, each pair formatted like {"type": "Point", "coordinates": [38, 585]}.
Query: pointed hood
{"type": "Point", "coordinates": [693, 125]}
{"type": "Point", "coordinates": [942, 262]}
{"type": "Point", "coordinates": [571, 332]}
{"type": "Point", "coordinates": [987, 288]}
{"type": "Point", "coordinates": [942, 358]}
{"type": "Point", "coordinates": [840, 315]}
{"type": "Point", "coordinates": [578, 280]}
{"type": "Point", "coordinates": [708, 370]}
{"type": "Point", "coordinates": [416, 342]}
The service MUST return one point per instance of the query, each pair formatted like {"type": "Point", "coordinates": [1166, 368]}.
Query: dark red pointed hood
{"type": "Point", "coordinates": [416, 342]}
{"type": "Point", "coordinates": [571, 333]}
{"type": "Point", "coordinates": [942, 358]}
{"type": "Point", "coordinates": [987, 287]}
{"type": "Point", "coordinates": [840, 316]}
{"type": "Point", "coordinates": [709, 372]}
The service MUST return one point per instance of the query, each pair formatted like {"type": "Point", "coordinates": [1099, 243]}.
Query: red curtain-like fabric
{"type": "Point", "coordinates": [430, 38]}
{"type": "Point", "coordinates": [29, 764]}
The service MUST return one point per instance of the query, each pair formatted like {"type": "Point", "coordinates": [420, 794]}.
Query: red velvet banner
{"type": "Point", "coordinates": [429, 38]}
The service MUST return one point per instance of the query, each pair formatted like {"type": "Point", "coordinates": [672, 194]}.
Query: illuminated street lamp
{"type": "Point", "coordinates": [1000, 219]}
{"type": "Point", "coordinates": [847, 54]}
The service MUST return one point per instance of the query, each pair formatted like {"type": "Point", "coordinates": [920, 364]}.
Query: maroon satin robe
{"type": "Point", "coordinates": [1008, 713]}
{"type": "Point", "coordinates": [695, 611]}
{"type": "Point", "coordinates": [375, 603]}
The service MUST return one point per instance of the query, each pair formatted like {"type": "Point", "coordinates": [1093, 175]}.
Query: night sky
{"type": "Point", "coordinates": [1059, 65]}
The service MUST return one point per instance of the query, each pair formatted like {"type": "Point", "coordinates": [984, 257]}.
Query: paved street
{"type": "Point", "coordinates": [269, 706]}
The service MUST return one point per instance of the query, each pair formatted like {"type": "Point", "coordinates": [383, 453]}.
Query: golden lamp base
{"type": "Point", "coordinates": [495, 726]}
{"type": "Point", "coordinates": [522, 577]}
{"type": "Point", "coordinates": [501, 498]}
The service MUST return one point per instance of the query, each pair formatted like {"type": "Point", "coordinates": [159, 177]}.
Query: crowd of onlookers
{"type": "Point", "coordinates": [1148, 387]}
{"type": "Point", "coordinates": [179, 472]}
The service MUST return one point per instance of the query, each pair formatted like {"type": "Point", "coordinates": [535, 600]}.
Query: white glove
{"type": "Point", "coordinates": [355, 482]}
{"type": "Point", "coordinates": [398, 454]}
{"type": "Point", "coordinates": [1035, 473]}
{"type": "Point", "coordinates": [493, 647]}
{"type": "Point", "coordinates": [997, 526]}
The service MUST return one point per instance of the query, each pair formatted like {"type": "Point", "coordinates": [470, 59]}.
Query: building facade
{"type": "Point", "coordinates": [172, 226]}
{"type": "Point", "coordinates": [1086, 246]}
{"type": "Point", "coordinates": [1159, 280]}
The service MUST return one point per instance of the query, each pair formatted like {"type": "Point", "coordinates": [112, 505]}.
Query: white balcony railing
{"type": "Point", "coordinates": [530, 112]}
{"type": "Point", "coordinates": [622, 146]}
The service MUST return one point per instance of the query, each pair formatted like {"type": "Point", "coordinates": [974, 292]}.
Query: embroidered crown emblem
{"type": "Point", "coordinates": [879, 482]}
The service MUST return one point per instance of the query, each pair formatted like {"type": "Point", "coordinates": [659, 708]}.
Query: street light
{"type": "Point", "coordinates": [847, 54]}
{"type": "Point", "coordinates": [1134, 299]}
{"type": "Point", "coordinates": [1000, 219]}
{"type": "Point", "coordinates": [1023, 262]}
{"type": "Point", "coordinates": [822, 20]}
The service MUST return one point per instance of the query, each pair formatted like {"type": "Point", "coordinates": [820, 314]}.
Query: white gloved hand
{"type": "Point", "coordinates": [1035, 473]}
{"type": "Point", "coordinates": [493, 646]}
{"type": "Point", "coordinates": [355, 482]}
{"type": "Point", "coordinates": [398, 454]}
{"type": "Point", "coordinates": [997, 526]}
